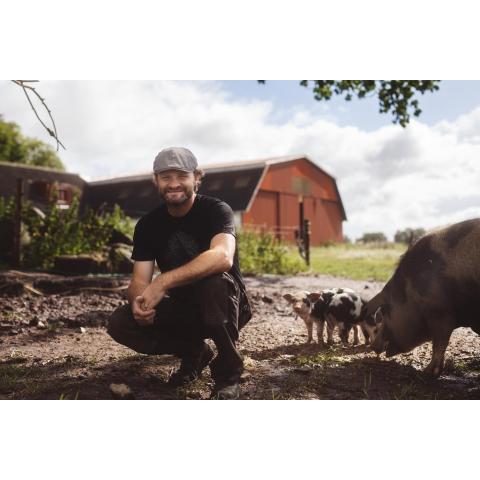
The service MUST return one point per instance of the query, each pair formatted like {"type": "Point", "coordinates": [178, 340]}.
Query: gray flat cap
{"type": "Point", "coordinates": [175, 158]}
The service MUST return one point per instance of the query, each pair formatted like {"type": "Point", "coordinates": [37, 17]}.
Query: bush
{"type": "Point", "coordinates": [263, 253]}
{"type": "Point", "coordinates": [373, 237]}
{"type": "Point", "coordinates": [64, 231]}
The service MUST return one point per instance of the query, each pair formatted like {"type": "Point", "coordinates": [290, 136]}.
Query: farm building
{"type": "Point", "coordinates": [264, 194]}
{"type": "Point", "coordinates": [40, 184]}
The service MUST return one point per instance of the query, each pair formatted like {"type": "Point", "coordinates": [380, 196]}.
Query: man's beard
{"type": "Point", "coordinates": [176, 199]}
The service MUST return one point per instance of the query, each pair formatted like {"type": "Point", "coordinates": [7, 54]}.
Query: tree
{"type": "Point", "coordinates": [373, 237]}
{"type": "Point", "coordinates": [11, 142]}
{"type": "Point", "coordinates": [396, 96]}
{"type": "Point", "coordinates": [16, 148]}
{"type": "Point", "coordinates": [409, 235]}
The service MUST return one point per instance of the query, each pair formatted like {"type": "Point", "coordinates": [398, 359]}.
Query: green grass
{"type": "Point", "coordinates": [19, 378]}
{"type": "Point", "coordinates": [467, 365]}
{"type": "Point", "coordinates": [358, 262]}
{"type": "Point", "coordinates": [326, 358]}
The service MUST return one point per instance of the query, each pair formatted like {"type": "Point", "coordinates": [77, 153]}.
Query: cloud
{"type": "Point", "coordinates": [390, 178]}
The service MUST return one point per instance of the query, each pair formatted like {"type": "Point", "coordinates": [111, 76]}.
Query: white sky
{"type": "Point", "coordinates": [389, 178]}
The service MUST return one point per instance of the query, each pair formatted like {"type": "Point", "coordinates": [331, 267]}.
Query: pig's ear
{"type": "Point", "coordinates": [288, 297]}
{"type": "Point", "coordinates": [313, 297]}
{"type": "Point", "coordinates": [378, 316]}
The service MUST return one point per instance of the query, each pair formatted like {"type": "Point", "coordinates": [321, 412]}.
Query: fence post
{"type": "Point", "coordinates": [17, 251]}
{"type": "Point", "coordinates": [306, 240]}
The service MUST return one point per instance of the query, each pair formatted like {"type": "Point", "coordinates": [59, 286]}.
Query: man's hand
{"type": "Point", "coordinates": [143, 316]}
{"type": "Point", "coordinates": [152, 296]}
{"type": "Point", "coordinates": [142, 276]}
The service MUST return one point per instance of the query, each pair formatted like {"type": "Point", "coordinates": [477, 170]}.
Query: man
{"type": "Point", "coordinates": [199, 293]}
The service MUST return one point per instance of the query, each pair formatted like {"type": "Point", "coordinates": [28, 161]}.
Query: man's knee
{"type": "Point", "coordinates": [120, 321]}
{"type": "Point", "coordinates": [214, 285]}
{"type": "Point", "coordinates": [217, 298]}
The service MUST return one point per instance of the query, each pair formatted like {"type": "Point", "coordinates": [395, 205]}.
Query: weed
{"type": "Point", "coordinates": [467, 365]}
{"type": "Point", "coordinates": [367, 383]}
{"type": "Point", "coordinates": [52, 327]}
{"type": "Point", "coordinates": [407, 391]}
{"type": "Point", "coordinates": [325, 358]}
{"type": "Point", "coordinates": [18, 377]}
{"type": "Point", "coordinates": [66, 396]}
{"type": "Point", "coordinates": [276, 395]}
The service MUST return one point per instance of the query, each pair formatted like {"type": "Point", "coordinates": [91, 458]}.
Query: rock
{"type": "Point", "coordinates": [120, 391]}
{"type": "Point", "coordinates": [245, 377]}
{"type": "Point", "coordinates": [41, 325]}
{"type": "Point", "coordinates": [304, 369]}
{"type": "Point", "coordinates": [81, 264]}
{"type": "Point", "coordinates": [267, 299]}
{"type": "Point", "coordinates": [83, 330]}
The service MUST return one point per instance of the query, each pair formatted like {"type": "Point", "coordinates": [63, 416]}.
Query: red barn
{"type": "Point", "coordinates": [266, 195]}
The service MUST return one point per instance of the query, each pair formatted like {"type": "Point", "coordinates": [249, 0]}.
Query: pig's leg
{"type": "Point", "coordinates": [330, 328]}
{"type": "Point", "coordinates": [320, 328]}
{"type": "Point", "coordinates": [440, 338]}
{"type": "Point", "coordinates": [355, 334]}
{"type": "Point", "coordinates": [309, 325]}
{"type": "Point", "coordinates": [365, 335]}
{"type": "Point", "coordinates": [343, 331]}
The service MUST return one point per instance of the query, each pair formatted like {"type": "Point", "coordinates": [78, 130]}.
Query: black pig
{"type": "Point", "coordinates": [434, 290]}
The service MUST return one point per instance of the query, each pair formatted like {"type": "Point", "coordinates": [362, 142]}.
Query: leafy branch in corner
{"type": "Point", "coordinates": [396, 96]}
{"type": "Point", "coordinates": [28, 89]}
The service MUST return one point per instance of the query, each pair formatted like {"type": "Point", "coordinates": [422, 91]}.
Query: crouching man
{"type": "Point", "coordinates": [199, 293]}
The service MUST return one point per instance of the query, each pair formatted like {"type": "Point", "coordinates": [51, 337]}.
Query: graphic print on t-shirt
{"type": "Point", "coordinates": [181, 248]}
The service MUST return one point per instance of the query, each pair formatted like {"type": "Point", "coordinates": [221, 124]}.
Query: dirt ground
{"type": "Point", "coordinates": [55, 346]}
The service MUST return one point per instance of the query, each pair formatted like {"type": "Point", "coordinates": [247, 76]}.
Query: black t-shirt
{"type": "Point", "coordinates": [174, 241]}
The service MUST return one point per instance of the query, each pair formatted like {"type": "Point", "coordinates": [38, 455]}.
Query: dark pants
{"type": "Point", "coordinates": [213, 307]}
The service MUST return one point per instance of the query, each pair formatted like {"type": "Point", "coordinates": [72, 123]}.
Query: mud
{"type": "Point", "coordinates": [55, 346]}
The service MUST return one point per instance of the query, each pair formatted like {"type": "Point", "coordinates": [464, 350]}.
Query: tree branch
{"type": "Point", "coordinates": [25, 87]}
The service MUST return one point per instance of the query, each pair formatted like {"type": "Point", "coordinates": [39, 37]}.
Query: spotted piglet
{"type": "Point", "coordinates": [303, 306]}
{"type": "Point", "coordinates": [341, 307]}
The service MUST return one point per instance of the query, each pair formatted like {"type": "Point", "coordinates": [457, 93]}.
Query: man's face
{"type": "Point", "coordinates": [175, 187]}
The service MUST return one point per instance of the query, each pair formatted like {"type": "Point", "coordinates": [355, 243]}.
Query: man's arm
{"type": "Point", "coordinates": [218, 259]}
{"type": "Point", "coordinates": [141, 278]}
